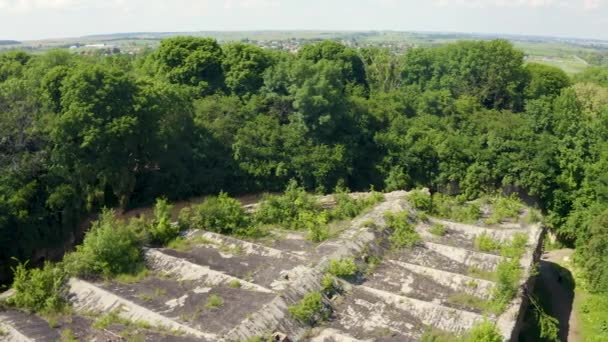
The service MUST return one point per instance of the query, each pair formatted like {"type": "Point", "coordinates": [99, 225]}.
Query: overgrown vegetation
{"type": "Point", "coordinates": [41, 290]}
{"type": "Point", "coordinates": [221, 214]}
{"type": "Point", "coordinates": [485, 243]}
{"type": "Point", "coordinates": [161, 228]}
{"type": "Point", "coordinates": [438, 229]}
{"type": "Point", "coordinates": [470, 118]}
{"type": "Point", "coordinates": [343, 268]}
{"type": "Point", "coordinates": [110, 248]}
{"type": "Point", "coordinates": [484, 331]}
{"type": "Point", "coordinates": [504, 208]}
{"type": "Point", "coordinates": [310, 309]}
{"type": "Point", "coordinates": [403, 233]}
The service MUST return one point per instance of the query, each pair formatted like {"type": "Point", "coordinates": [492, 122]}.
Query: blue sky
{"type": "Point", "coordinates": [35, 19]}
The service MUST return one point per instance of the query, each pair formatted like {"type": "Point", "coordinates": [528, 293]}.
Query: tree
{"type": "Point", "coordinates": [244, 67]}
{"type": "Point", "coordinates": [545, 80]}
{"type": "Point", "coordinates": [196, 62]}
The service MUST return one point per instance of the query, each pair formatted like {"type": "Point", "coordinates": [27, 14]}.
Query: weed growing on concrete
{"type": "Point", "coordinates": [41, 290]}
{"type": "Point", "coordinates": [485, 243]}
{"type": "Point", "coordinates": [504, 208]}
{"type": "Point", "coordinates": [438, 229]}
{"type": "Point", "coordinates": [214, 301]}
{"type": "Point", "coordinates": [403, 233]}
{"type": "Point", "coordinates": [310, 309]}
{"type": "Point", "coordinates": [343, 268]}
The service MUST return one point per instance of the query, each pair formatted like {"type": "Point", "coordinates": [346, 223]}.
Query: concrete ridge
{"type": "Point", "coordinates": [456, 281]}
{"type": "Point", "coordinates": [334, 335]}
{"type": "Point", "coordinates": [431, 314]}
{"type": "Point", "coordinates": [91, 298]}
{"type": "Point", "coordinates": [248, 247]}
{"type": "Point", "coordinates": [465, 256]}
{"type": "Point", "coordinates": [10, 333]}
{"type": "Point", "coordinates": [186, 270]}
{"type": "Point", "coordinates": [472, 231]}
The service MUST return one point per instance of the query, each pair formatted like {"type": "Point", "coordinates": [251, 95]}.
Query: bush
{"type": "Point", "coordinates": [504, 208]}
{"type": "Point", "coordinates": [316, 224]}
{"type": "Point", "coordinates": [161, 229]}
{"type": "Point", "coordinates": [285, 209]}
{"type": "Point", "coordinates": [41, 290]}
{"type": "Point", "coordinates": [508, 274]}
{"type": "Point", "coordinates": [516, 247]}
{"type": "Point", "coordinates": [486, 243]}
{"type": "Point", "coordinates": [184, 219]}
{"type": "Point", "coordinates": [309, 309]}
{"type": "Point", "coordinates": [455, 208]}
{"type": "Point", "coordinates": [403, 232]}
{"type": "Point", "coordinates": [214, 301]}
{"type": "Point", "coordinates": [221, 214]}
{"type": "Point", "coordinates": [485, 331]}
{"type": "Point", "coordinates": [420, 199]}
{"type": "Point", "coordinates": [110, 248]}
{"type": "Point", "coordinates": [349, 207]}
{"type": "Point", "coordinates": [342, 268]}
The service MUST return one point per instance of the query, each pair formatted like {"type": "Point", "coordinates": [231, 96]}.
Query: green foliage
{"type": "Point", "coordinates": [470, 301]}
{"type": "Point", "coordinates": [41, 290]}
{"type": "Point", "coordinates": [214, 301]}
{"type": "Point", "coordinates": [161, 229]}
{"type": "Point", "coordinates": [310, 309]}
{"type": "Point", "coordinates": [286, 209]}
{"type": "Point", "coordinates": [516, 247]}
{"type": "Point", "coordinates": [221, 214]}
{"type": "Point", "coordinates": [504, 208]}
{"type": "Point", "coordinates": [343, 267]}
{"type": "Point", "coordinates": [453, 208]}
{"type": "Point", "coordinates": [508, 276]}
{"type": "Point", "coordinates": [420, 200]}
{"type": "Point", "coordinates": [485, 331]}
{"type": "Point", "coordinates": [438, 229]}
{"type": "Point", "coordinates": [348, 207]}
{"type": "Point", "coordinates": [110, 248]}
{"type": "Point", "coordinates": [315, 224]}
{"type": "Point", "coordinates": [403, 233]}
{"type": "Point", "coordinates": [548, 325]}
{"type": "Point", "coordinates": [485, 243]}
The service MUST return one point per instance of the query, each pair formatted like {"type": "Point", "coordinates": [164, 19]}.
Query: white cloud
{"type": "Point", "coordinates": [578, 4]}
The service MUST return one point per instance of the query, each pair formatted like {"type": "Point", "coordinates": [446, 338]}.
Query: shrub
{"type": "Point", "coordinates": [420, 199]}
{"type": "Point", "coordinates": [41, 290]}
{"type": "Point", "coordinates": [504, 208]}
{"type": "Point", "coordinates": [285, 209]}
{"type": "Point", "coordinates": [328, 283]}
{"type": "Point", "coordinates": [184, 219]}
{"type": "Point", "coordinates": [349, 207]}
{"type": "Point", "coordinates": [404, 234]}
{"type": "Point", "coordinates": [485, 243]}
{"type": "Point", "coordinates": [316, 224]}
{"type": "Point", "coordinates": [214, 301]}
{"type": "Point", "coordinates": [485, 331]}
{"type": "Point", "coordinates": [516, 247]}
{"type": "Point", "coordinates": [161, 229]}
{"type": "Point", "coordinates": [342, 268]}
{"type": "Point", "coordinates": [110, 248]}
{"type": "Point", "coordinates": [221, 214]}
{"type": "Point", "coordinates": [309, 309]}
{"type": "Point", "coordinates": [438, 229]}
{"type": "Point", "coordinates": [508, 274]}
{"type": "Point", "coordinates": [454, 208]}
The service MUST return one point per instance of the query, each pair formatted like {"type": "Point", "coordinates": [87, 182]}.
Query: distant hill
{"type": "Point", "coordinates": [9, 42]}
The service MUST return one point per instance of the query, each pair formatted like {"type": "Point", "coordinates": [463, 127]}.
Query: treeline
{"type": "Point", "coordinates": [79, 133]}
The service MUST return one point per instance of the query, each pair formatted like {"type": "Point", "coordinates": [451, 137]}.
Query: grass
{"type": "Point", "coordinates": [485, 243]}
{"type": "Point", "coordinates": [214, 301]}
{"type": "Point", "coordinates": [235, 284]}
{"type": "Point", "coordinates": [184, 245]}
{"type": "Point", "coordinates": [438, 229]}
{"type": "Point", "coordinates": [470, 301]}
{"type": "Point", "coordinates": [403, 233]}
{"type": "Point", "coordinates": [148, 297]}
{"type": "Point", "coordinates": [132, 278]}
{"type": "Point", "coordinates": [67, 336]}
{"type": "Point", "coordinates": [481, 274]}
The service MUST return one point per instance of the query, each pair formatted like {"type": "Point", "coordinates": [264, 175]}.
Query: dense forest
{"type": "Point", "coordinates": [79, 133]}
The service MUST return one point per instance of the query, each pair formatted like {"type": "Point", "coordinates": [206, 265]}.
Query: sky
{"type": "Point", "coordinates": [38, 19]}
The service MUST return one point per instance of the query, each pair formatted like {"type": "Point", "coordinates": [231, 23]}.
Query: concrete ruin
{"type": "Point", "coordinates": [406, 293]}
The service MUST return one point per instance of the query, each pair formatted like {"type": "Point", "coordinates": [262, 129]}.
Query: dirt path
{"type": "Point", "coordinates": [558, 288]}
